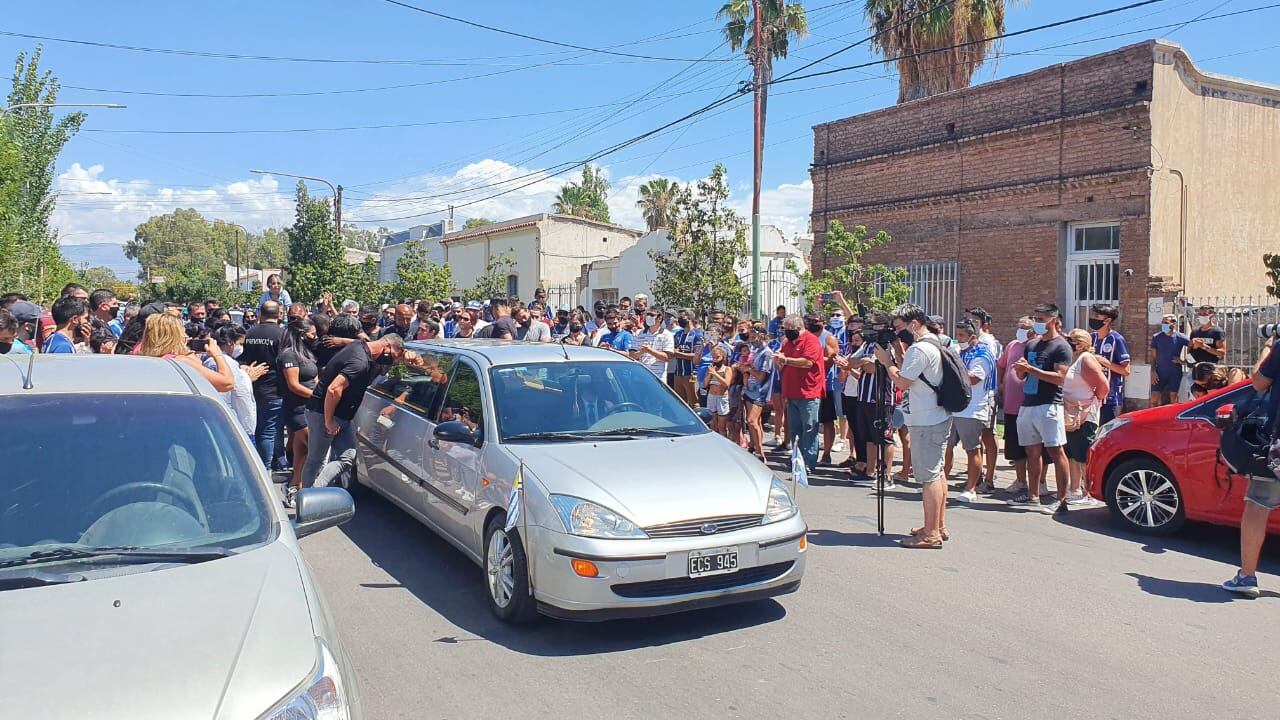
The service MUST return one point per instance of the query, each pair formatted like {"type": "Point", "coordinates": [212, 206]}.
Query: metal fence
{"type": "Point", "coordinates": [1239, 318]}
{"type": "Point", "coordinates": [558, 295]}
{"type": "Point", "coordinates": [935, 286]}
{"type": "Point", "coordinates": [778, 286]}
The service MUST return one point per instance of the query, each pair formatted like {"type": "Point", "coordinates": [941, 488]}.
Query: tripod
{"type": "Point", "coordinates": [880, 427]}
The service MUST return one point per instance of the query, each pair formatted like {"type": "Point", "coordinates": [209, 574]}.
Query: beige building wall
{"type": "Point", "coordinates": [468, 257]}
{"type": "Point", "coordinates": [1223, 134]}
{"type": "Point", "coordinates": [566, 245]}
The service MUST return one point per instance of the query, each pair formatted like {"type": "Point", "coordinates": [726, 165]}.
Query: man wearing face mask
{"type": "Point", "coordinates": [1041, 421]}
{"type": "Point", "coordinates": [1112, 352]}
{"type": "Point", "coordinates": [1165, 357]}
{"type": "Point", "coordinates": [336, 397]}
{"type": "Point", "coordinates": [1010, 391]}
{"type": "Point", "coordinates": [654, 344]}
{"type": "Point", "coordinates": [1208, 341]}
{"type": "Point", "coordinates": [929, 424]}
{"type": "Point", "coordinates": [69, 314]}
{"type": "Point", "coordinates": [688, 347]}
{"type": "Point", "coordinates": [801, 362]}
{"type": "Point", "coordinates": [827, 413]}
{"type": "Point", "coordinates": [8, 333]}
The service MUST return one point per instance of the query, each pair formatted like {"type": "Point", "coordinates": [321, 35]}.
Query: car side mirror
{"type": "Point", "coordinates": [322, 508]}
{"type": "Point", "coordinates": [705, 414]}
{"type": "Point", "coordinates": [455, 431]}
{"type": "Point", "coordinates": [1223, 418]}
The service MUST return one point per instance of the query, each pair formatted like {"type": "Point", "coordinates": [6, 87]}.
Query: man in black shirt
{"type": "Point", "coordinates": [502, 327]}
{"type": "Point", "coordinates": [1208, 341]}
{"type": "Point", "coordinates": [262, 345]}
{"type": "Point", "coordinates": [337, 395]}
{"type": "Point", "coordinates": [1041, 422]}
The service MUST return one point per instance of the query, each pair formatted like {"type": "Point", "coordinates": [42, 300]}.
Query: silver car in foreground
{"type": "Point", "coordinates": [630, 506]}
{"type": "Point", "coordinates": [145, 569]}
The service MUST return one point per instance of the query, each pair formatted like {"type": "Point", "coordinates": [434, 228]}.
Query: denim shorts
{"type": "Point", "coordinates": [1263, 491]}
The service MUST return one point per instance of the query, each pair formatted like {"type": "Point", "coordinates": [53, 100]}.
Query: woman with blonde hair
{"type": "Point", "coordinates": [1083, 393]}
{"type": "Point", "coordinates": [165, 336]}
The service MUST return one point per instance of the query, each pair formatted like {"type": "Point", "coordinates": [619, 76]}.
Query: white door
{"type": "Point", "coordinates": [1093, 270]}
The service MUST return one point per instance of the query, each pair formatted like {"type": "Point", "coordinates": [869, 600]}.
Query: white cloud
{"type": "Point", "coordinates": [95, 208]}
{"type": "Point", "coordinates": [92, 208]}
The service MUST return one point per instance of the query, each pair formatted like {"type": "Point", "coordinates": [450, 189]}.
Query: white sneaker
{"type": "Point", "coordinates": [1081, 499]}
{"type": "Point", "coordinates": [967, 496]}
{"type": "Point", "coordinates": [837, 446]}
{"type": "Point", "coordinates": [891, 485]}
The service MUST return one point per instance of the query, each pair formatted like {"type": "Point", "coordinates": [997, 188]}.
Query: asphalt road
{"type": "Point", "coordinates": [1021, 615]}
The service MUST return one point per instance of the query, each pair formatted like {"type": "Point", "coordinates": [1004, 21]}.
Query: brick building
{"type": "Point", "coordinates": [1121, 177]}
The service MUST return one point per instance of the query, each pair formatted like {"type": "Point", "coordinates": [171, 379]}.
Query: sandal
{"type": "Point", "coordinates": [919, 543]}
{"type": "Point", "coordinates": [915, 532]}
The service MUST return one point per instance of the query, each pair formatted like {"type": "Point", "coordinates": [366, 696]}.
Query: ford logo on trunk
{"type": "Point", "coordinates": [709, 528]}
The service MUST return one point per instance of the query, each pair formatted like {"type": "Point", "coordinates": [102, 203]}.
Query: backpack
{"type": "Point", "coordinates": [1246, 441]}
{"type": "Point", "coordinates": [954, 392]}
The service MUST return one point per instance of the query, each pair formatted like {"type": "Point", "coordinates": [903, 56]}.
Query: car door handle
{"type": "Point", "coordinates": [434, 443]}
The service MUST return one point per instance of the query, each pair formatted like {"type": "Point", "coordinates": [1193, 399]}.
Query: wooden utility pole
{"type": "Point", "coordinates": [758, 59]}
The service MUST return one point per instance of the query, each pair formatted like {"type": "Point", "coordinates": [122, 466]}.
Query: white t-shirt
{"type": "Point", "coordinates": [979, 398]}
{"type": "Point", "coordinates": [923, 359]}
{"type": "Point", "coordinates": [662, 341]}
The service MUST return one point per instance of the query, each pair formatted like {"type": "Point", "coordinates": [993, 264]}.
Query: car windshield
{"type": "Point", "coordinates": [579, 400]}
{"type": "Point", "coordinates": [125, 471]}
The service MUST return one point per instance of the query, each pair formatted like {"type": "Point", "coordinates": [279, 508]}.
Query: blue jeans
{"type": "Point", "coordinates": [268, 430]}
{"type": "Point", "coordinates": [802, 420]}
{"type": "Point", "coordinates": [320, 444]}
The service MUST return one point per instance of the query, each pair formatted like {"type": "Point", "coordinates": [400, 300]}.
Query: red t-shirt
{"type": "Point", "coordinates": [803, 383]}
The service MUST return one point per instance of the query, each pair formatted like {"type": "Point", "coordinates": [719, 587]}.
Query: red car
{"type": "Point", "coordinates": [1158, 468]}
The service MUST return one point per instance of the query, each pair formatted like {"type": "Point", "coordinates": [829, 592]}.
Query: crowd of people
{"type": "Point", "coordinates": [294, 375]}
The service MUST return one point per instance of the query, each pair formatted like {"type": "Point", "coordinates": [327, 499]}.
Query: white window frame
{"type": "Point", "coordinates": [1075, 313]}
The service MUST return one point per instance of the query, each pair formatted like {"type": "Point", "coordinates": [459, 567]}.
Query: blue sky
{"type": "Point", "coordinates": [566, 103]}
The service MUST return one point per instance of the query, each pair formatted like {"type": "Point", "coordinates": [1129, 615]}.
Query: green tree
{"type": "Point", "coordinates": [906, 28]}
{"type": "Point", "coordinates": [190, 282]}
{"type": "Point", "coordinates": [780, 22]}
{"type": "Point", "coordinates": [316, 259]}
{"type": "Point", "coordinates": [367, 240]}
{"type": "Point", "coordinates": [657, 200]}
{"type": "Point", "coordinates": [1273, 272]}
{"type": "Point", "coordinates": [493, 283]}
{"type": "Point", "coordinates": [98, 276]}
{"type": "Point", "coordinates": [879, 286]}
{"type": "Point", "coordinates": [30, 142]}
{"type": "Point", "coordinates": [700, 269]}
{"type": "Point", "coordinates": [587, 198]}
{"type": "Point", "coordinates": [361, 283]}
{"type": "Point", "coordinates": [268, 249]}
{"type": "Point", "coordinates": [476, 223]}
{"type": "Point", "coordinates": [178, 239]}
{"type": "Point", "coordinates": [420, 278]}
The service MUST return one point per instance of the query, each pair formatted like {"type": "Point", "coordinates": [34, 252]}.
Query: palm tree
{"type": "Point", "coordinates": [657, 200]}
{"type": "Point", "coordinates": [781, 22]}
{"type": "Point", "coordinates": [906, 28]}
{"type": "Point", "coordinates": [572, 200]}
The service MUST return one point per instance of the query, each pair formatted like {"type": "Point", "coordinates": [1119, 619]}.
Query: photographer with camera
{"type": "Point", "coordinates": [1262, 496]}
{"type": "Point", "coordinates": [929, 423]}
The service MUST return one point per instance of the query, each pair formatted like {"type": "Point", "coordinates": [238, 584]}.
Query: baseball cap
{"type": "Point", "coordinates": [474, 305]}
{"type": "Point", "coordinates": [564, 308]}
{"type": "Point", "coordinates": [25, 311]}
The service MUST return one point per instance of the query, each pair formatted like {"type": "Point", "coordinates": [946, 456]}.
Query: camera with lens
{"type": "Point", "coordinates": [881, 333]}
{"type": "Point", "coordinates": [1269, 330]}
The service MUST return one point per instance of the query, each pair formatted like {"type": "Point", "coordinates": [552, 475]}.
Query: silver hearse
{"type": "Point", "coordinates": [629, 505]}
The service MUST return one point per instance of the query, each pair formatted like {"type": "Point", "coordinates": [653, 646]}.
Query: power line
{"type": "Point", "coordinates": [543, 40]}
{"type": "Point", "coordinates": [786, 78]}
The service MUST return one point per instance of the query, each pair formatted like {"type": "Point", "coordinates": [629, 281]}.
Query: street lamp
{"type": "Point", "coordinates": [337, 193]}
{"type": "Point", "coordinates": [239, 227]}
{"type": "Point", "coordinates": [20, 106]}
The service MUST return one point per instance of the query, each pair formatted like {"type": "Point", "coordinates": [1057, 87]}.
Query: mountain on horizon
{"type": "Point", "coordinates": [102, 254]}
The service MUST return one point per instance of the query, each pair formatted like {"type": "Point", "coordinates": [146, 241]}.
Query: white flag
{"type": "Point", "coordinates": [798, 469]}
{"type": "Point", "coordinates": [515, 502]}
